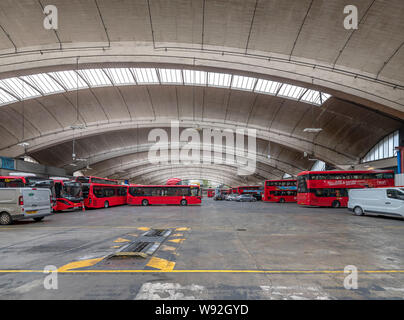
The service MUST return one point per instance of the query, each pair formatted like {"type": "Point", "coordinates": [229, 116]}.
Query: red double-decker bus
{"type": "Point", "coordinates": [97, 195]}
{"type": "Point", "coordinates": [164, 194]}
{"type": "Point", "coordinates": [330, 188]}
{"type": "Point", "coordinates": [210, 193]}
{"type": "Point", "coordinates": [99, 180]}
{"type": "Point", "coordinates": [280, 191]}
{"type": "Point", "coordinates": [256, 191]}
{"type": "Point", "coordinates": [68, 195]}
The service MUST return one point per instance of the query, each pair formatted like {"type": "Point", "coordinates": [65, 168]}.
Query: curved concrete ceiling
{"type": "Point", "coordinates": [297, 42]}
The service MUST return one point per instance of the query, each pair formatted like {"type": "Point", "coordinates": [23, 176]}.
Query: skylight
{"type": "Point", "coordinates": [146, 75]}
{"type": "Point", "coordinates": [221, 80]}
{"type": "Point", "coordinates": [95, 77]}
{"type": "Point", "coordinates": [6, 98]}
{"type": "Point", "coordinates": [121, 76]}
{"type": "Point", "coordinates": [44, 83]}
{"type": "Point", "coordinates": [267, 86]}
{"type": "Point", "coordinates": [69, 79]}
{"type": "Point", "coordinates": [195, 77]}
{"type": "Point", "coordinates": [172, 76]}
{"type": "Point", "coordinates": [18, 88]}
{"type": "Point", "coordinates": [243, 83]}
{"type": "Point", "coordinates": [32, 86]}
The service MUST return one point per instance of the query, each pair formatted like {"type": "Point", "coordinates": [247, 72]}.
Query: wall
{"type": "Point", "coordinates": [399, 180]}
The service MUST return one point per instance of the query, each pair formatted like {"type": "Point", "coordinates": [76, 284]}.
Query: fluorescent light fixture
{"type": "Point", "coordinates": [23, 144]}
{"type": "Point", "coordinates": [313, 130]}
{"type": "Point", "coordinates": [78, 126]}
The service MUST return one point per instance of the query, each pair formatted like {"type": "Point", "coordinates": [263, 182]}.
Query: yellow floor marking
{"type": "Point", "coordinates": [182, 229]}
{"type": "Point", "coordinates": [143, 229]}
{"type": "Point", "coordinates": [65, 270]}
{"type": "Point", "coordinates": [178, 235]}
{"type": "Point", "coordinates": [119, 240]}
{"type": "Point", "coordinates": [132, 234]}
{"type": "Point", "coordinates": [177, 240]}
{"type": "Point", "coordinates": [167, 248]}
{"type": "Point", "coordinates": [114, 247]}
{"type": "Point", "coordinates": [162, 264]}
{"type": "Point", "coordinates": [79, 264]}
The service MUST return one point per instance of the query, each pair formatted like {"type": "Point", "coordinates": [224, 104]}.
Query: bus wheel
{"type": "Point", "coordinates": [183, 202]}
{"type": "Point", "coordinates": [38, 219]}
{"type": "Point", "coordinates": [358, 211]}
{"type": "Point", "coordinates": [145, 203]}
{"type": "Point", "coordinates": [336, 204]}
{"type": "Point", "coordinates": [106, 204]}
{"type": "Point", "coordinates": [282, 200]}
{"type": "Point", "coordinates": [5, 219]}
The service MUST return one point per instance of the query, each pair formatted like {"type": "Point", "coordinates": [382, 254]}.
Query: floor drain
{"type": "Point", "coordinates": [157, 233]}
{"type": "Point", "coordinates": [138, 249]}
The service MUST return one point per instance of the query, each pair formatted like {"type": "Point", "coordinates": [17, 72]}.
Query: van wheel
{"type": "Point", "coordinates": [106, 204]}
{"type": "Point", "coordinates": [336, 204]}
{"type": "Point", "coordinates": [282, 200]}
{"type": "Point", "coordinates": [145, 203]}
{"type": "Point", "coordinates": [38, 219]}
{"type": "Point", "coordinates": [358, 211]}
{"type": "Point", "coordinates": [5, 219]}
{"type": "Point", "coordinates": [183, 202]}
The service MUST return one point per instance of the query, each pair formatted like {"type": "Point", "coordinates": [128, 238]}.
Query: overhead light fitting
{"type": "Point", "coordinates": [313, 130]}
{"type": "Point", "coordinates": [78, 126]}
{"type": "Point", "coordinates": [24, 144]}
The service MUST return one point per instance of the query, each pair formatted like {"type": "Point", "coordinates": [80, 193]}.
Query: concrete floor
{"type": "Point", "coordinates": [219, 250]}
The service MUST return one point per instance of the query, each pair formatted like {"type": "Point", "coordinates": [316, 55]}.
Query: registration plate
{"type": "Point", "coordinates": [31, 212]}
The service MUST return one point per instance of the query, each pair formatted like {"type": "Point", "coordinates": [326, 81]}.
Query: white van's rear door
{"type": "Point", "coordinates": [394, 202]}
{"type": "Point", "coordinates": [36, 201]}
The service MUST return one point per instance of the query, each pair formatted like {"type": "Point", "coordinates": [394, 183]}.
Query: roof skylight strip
{"type": "Point", "coordinates": [19, 88]}
{"type": "Point", "coordinates": [6, 98]}
{"type": "Point", "coordinates": [146, 75]}
{"type": "Point", "coordinates": [121, 76]}
{"type": "Point", "coordinates": [95, 77]}
{"type": "Point", "coordinates": [43, 83]}
{"type": "Point", "coordinates": [69, 79]}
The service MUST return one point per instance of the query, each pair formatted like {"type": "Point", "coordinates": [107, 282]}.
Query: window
{"type": "Point", "coordinates": [395, 194]}
{"type": "Point", "coordinates": [385, 148]}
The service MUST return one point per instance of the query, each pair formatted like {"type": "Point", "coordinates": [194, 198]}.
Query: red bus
{"type": "Point", "coordinates": [256, 191]}
{"type": "Point", "coordinates": [97, 195]}
{"type": "Point", "coordinates": [280, 191]}
{"type": "Point", "coordinates": [164, 194]}
{"type": "Point", "coordinates": [96, 180]}
{"type": "Point", "coordinates": [330, 188]}
{"type": "Point", "coordinates": [68, 195]}
{"type": "Point", "coordinates": [210, 192]}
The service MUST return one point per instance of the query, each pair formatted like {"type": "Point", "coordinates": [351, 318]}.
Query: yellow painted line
{"type": "Point", "coordinates": [114, 247]}
{"type": "Point", "coordinates": [182, 229]}
{"type": "Point", "coordinates": [178, 235]}
{"type": "Point", "coordinates": [79, 264]}
{"type": "Point", "coordinates": [144, 228]}
{"type": "Point", "coordinates": [167, 248]}
{"type": "Point", "coordinates": [132, 235]}
{"type": "Point", "coordinates": [120, 240]}
{"type": "Point", "coordinates": [60, 270]}
{"type": "Point", "coordinates": [162, 264]}
{"type": "Point", "coordinates": [177, 240]}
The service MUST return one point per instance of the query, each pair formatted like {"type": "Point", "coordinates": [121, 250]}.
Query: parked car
{"type": "Point", "coordinates": [246, 198]}
{"type": "Point", "coordinates": [231, 197]}
{"type": "Point", "coordinates": [24, 203]}
{"type": "Point", "coordinates": [380, 201]}
{"type": "Point", "coordinates": [219, 197]}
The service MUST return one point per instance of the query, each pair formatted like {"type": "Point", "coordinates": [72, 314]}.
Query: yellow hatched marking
{"type": "Point", "coordinates": [161, 264]}
{"type": "Point", "coordinates": [178, 235]}
{"type": "Point", "coordinates": [177, 240]}
{"type": "Point", "coordinates": [119, 240]}
{"type": "Point", "coordinates": [182, 229]}
{"type": "Point", "coordinates": [79, 264]}
{"type": "Point", "coordinates": [143, 229]}
{"type": "Point", "coordinates": [167, 248]}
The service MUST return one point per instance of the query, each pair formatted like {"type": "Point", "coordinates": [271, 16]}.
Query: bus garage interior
{"type": "Point", "coordinates": [81, 104]}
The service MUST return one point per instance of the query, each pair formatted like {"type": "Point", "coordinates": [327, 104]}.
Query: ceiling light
{"type": "Point", "coordinates": [313, 130]}
{"type": "Point", "coordinates": [24, 144]}
{"type": "Point", "coordinates": [78, 126]}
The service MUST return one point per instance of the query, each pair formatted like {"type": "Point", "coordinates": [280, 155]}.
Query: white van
{"type": "Point", "coordinates": [383, 201]}
{"type": "Point", "coordinates": [24, 203]}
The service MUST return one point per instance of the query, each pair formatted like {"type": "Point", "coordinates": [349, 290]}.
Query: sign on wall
{"type": "Point", "coordinates": [7, 163]}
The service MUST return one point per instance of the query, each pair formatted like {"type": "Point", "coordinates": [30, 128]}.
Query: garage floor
{"type": "Point", "coordinates": [219, 250]}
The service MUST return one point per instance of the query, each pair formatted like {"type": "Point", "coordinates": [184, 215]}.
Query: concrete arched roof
{"type": "Point", "coordinates": [297, 42]}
